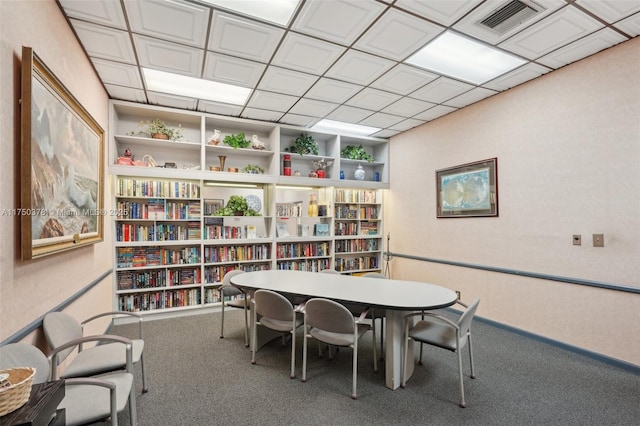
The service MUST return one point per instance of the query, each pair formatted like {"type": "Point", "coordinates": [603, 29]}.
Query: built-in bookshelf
{"type": "Point", "coordinates": [172, 248]}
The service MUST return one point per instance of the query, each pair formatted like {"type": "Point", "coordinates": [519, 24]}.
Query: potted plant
{"type": "Point", "coordinates": [253, 169]}
{"type": "Point", "coordinates": [158, 129]}
{"type": "Point", "coordinates": [236, 141]}
{"type": "Point", "coordinates": [356, 152]}
{"type": "Point", "coordinates": [304, 144]}
{"type": "Point", "coordinates": [236, 206]}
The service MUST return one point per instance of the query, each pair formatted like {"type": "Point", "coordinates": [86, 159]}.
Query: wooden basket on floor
{"type": "Point", "coordinates": [18, 392]}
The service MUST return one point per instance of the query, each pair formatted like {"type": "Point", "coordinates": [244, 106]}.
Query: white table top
{"type": "Point", "coordinates": [374, 292]}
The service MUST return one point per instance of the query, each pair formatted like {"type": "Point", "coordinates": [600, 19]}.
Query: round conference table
{"type": "Point", "coordinates": [395, 296]}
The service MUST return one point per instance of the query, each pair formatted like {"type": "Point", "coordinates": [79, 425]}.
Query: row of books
{"type": "Point", "coordinates": [212, 295]}
{"type": "Point", "coordinates": [359, 245]}
{"type": "Point", "coordinates": [128, 187]}
{"type": "Point", "coordinates": [158, 209]}
{"type": "Point", "coordinates": [290, 250]}
{"type": "Point", "coordinates": [357, 263]}
{"type": "Point", "coordinates": [131, 280]}
{"type": "Point", "coordinates": [215, 274]}
{"type": "Point", "coordinates": [126, 232]}
{"type": "Point", "coordinates": [289, 209]}
{"type": "Point", "coordinates": [313, 265]}
{"type": "Point", "coordinates": [150, 301]}
{"type": "Point", "coordinates": [134, 257]}
{"type": "Point", "coordinates": [355, 196]}
{"type": "Point", "coordinates": [368, 228]}
{"type": "Point", "coordinates": [237, 253]}
{"type": "Point", "coordinates": [220, 232]}
{"type": "Point", "coordinates": [346, 228]}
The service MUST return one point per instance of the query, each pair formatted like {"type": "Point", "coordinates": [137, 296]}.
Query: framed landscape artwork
{"type": "Point", "coordinates": [468, 190]}
{"type": "Point", "coordinates": [61, 166]}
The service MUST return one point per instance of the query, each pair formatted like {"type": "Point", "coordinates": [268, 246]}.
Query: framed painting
{"type": "Point", "coordinates": [61, 166]}
{"type": "Point", "coordinates": [468, 190]}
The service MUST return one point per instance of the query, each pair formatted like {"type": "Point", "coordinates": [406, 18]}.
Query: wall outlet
{"type": "Point", "coordinates": [598, 240]}
{"type": "Point", "coordinates": [577, 240]}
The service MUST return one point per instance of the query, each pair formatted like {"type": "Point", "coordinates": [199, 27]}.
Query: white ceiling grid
{"type": "Point", "coordinates": [338, 59]}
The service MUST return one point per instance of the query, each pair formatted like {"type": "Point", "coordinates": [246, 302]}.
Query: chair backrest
{"type": "Point", "coordinates": [273, 305]}
{"type": "Point", "coordinates": [374, 275]}
{"type": "Point", "coordinates": [59, 328]}
{"type": "Point", "coordinates": [330, 271]}
{"type": "Point", "coordinates": [328, 315]}
{"type": "Point", "coordinates": [25, 355]}
{"type": "Point", "coordinates": [228, 288]}
{"type": "Point", "coordinates": [464, 322]}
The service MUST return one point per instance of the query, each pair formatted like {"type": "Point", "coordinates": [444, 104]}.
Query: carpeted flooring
{"type": "Point", "coordinates": [196, 378]}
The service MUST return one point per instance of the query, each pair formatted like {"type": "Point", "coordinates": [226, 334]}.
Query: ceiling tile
{"type": "Point", "coordinates": [443, 12]}
{"type": "Point", "coordinates": [272, 101]}
{"type": "Point", "coordinates": [408, 107]}
{"type": "Point", "coordinates": [630, 25]}
{"type": "Point", "coordinates": [339, 21]}
{"type": "Point", "coordinates": [167, 56]}
{"type": "Point", "coordinates": [359, 67]}
{"type": "Point", "coordinates": [118, 73]}
{"type": "Point", "coordinates": [440, 90]}
{"type": "Point", "coordinates": [286, 81]}
{"type": "Point", "coordinates": [172, 101]}
{"type": "Point", "coordinates": [562, 28]}
{"type": "Point", "coordinates": [306, 54]}
{"type": "Point", "coordinates": [469, 24]}
{"type": "Point", "coordinates": [219, 108]}
{"type": "Point", "coordinates": [228, 69]}
{"type": "Point", "coordinates": [397, 35]}
{"type": "Point", "coordinates": [589, 45]}
{"type": "Point", "coordinates": [261, 114]}
{"type": "Point", "coordinates": [107, 13]}
{"type": "Point", "coordinates": [403, 79]}
{"type": "Point", "coordinates": [299, 120]}
{"type": "Point", "coordinates": [327, 89]}
{"type": "Point", "coordinates": [105, 43]}
{"type": "Point", "coordinates": [435, 112]}
{"type": "Point", "coordinates": [470, 97]}
{"type": "Point", "coordinates": [611, 10]}
{"type": "Point", "coordinates": [381, 120]}
{"type": "Point", "coordinates": [242, 37]}
{"type": "Point", "coordinates": [518, 76]}
{"type": "Point", "coordinates": [126, 93]}
{"type": "Point", "coordinates": [313, 107]}
{"type": "Point", "coordinates": [386, 133]}
{"type": "Point", "coordinates": [373, 99]}
{"type": "Point", "coordinates": [175, 20]}
{"type": "Point", "coordinates": [407, 124]}
{"type": "Point", "coordinates": [349, 114]}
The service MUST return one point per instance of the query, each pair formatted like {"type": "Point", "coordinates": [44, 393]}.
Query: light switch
{"type": "Point", "coordinates": [598, 240]}
{"type": "Point", "coordinates": [577, 240]}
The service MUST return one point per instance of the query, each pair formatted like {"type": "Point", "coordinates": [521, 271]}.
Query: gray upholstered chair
{"type": "Point", "coordinates": [87, 400]}
{"type": "Point", "coordinates": [378, 313]}
{"type": "Point", "coordinates": [444, 333]}
{"type": "Point", "coordinates": [229, 290]}
{"type": "Point", "coordinates": [276, 312]}
{"type": "Point", "coordinates": [60, 329]}
{"type": "Point", "coordinates": [330, 322]}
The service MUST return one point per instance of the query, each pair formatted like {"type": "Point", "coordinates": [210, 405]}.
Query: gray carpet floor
{"type": "Point", "coordinates": [196, 378]}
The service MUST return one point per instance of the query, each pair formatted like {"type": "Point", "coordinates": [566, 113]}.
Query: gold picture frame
{"type": "Point", "coordinates": [468, 190]}
{"type": "Point", "coordinates": [61, 166]}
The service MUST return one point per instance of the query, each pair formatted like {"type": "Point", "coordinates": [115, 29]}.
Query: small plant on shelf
{"type": "Point", "coordinates": [253, 169]}
{"type": "Point", "coordinates": [236, 206]}
{"type": "Point", "coordinates": [236, 141]}
{"type": "Point", "coordinates": [158, 129]}
{"type": "Point", "coordinates": [304, 144]}
{"type": "Point", "coordinates": [356, 152]}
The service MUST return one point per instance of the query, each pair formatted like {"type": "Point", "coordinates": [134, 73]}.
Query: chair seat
{"type": "Point", "coordinates": [434, 333]}
{"type": "Point", "coordinates": [239, 303]}
{"type": "Point", "coordinates": [87, 404]}
{"type": "Point", "coordinates": [279, 325]}
{"type": "Point", "coordinates": [338, 339]}
{"type": "Point", "coordinates": [101, 358]}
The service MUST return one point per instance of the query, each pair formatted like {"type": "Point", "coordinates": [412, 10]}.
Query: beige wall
{"type": "Point", "coordinates": [29, 289]}
{"type": "Point", "coordinates": [568, 149]}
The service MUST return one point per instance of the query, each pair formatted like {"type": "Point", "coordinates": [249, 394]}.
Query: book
{"type": "Point", "coordinates": [303, 230]}
{"type": "Point", "coordinates": [251, 231]}
{"type": "Point", "coordinates": [321, 229]}
{"type": "Point", "coordinates": [282, 230]}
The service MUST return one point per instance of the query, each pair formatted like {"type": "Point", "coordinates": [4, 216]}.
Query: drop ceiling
{"type": "Point", "coordinates": [334, 59]}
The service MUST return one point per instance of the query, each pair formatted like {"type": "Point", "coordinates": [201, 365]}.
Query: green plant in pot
{"type": "Point", "coordinates": [236, 206]}
{"type": "Point", "coordinates": [356, 152]}
{"type": "Point", "coordinates": [304, 144]}
{"type": "Point", "coordinates": [158, 129]}
{"type": "Point", "coordinates": [253, 169]}
{"type": "Point", "coordinates": [236, 141]}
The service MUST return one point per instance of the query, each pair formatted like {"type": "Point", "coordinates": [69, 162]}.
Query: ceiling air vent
{"type": "Point", "coordinates": [510, 15]}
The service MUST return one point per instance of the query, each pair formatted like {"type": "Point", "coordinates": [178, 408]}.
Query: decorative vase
{"type": "Point", "coordinates": [359, 173]}
{"type": "Point", "coordinates": [222, 158]}
{"type": "Point", "coordinates": [313, 174]}
{"type": "Point", "coordinates": [321, 174]}
{"type": "Point", "coordinates": [159, 136]}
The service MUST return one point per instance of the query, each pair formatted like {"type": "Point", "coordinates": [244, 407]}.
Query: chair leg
{"type": "Point", "coordinates": [381, 339]}
{"type": "Point", "coordinates": [473, 374]}
{"type": "Point", "coordinates": [254, 336]}
{"type": "Point", "coordinates": [304, 355]}
{"type": "Point", "coordinates": [375, 355]}
{"type": "Point", "coordinates": [293, 350]}
{"type": "Point", "coordinates": [222, 320]}
{"type": "Point", "coordinates": [133, 414]}
{"type": "Point", "coordinates": [246, 322]}
{"type": "Point", "coordinates": [421, 347]}
{"type": "Point", "coordinates": [145, 387]}
{"type": "Point", "coordinates": [459, 354]}
{"type": "Point", "coordinates": [354, 394]}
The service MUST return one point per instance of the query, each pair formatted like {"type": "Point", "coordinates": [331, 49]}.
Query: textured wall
{"type": "Point", "coordinates": [29, 289]}
{"type": "Point", "coordinates": [568, 149]}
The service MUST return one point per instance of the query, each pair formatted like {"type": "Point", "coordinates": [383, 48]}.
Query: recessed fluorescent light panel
{"type": "Point", "coordinates": [341, 127]}
{"type": "Point", "coordinates": [176, 84]}
{"type": "Point", "coordinates": [276, 11]}
{"type": "Point", "coordinates": [462, 58]}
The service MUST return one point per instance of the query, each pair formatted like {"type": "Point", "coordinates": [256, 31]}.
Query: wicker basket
{"type": "Point", "coordinates": [17, 394]}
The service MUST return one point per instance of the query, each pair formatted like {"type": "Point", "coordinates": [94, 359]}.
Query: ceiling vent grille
{"type": "Point", "coordinates": [510, 15]}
